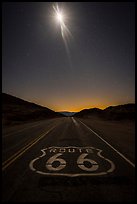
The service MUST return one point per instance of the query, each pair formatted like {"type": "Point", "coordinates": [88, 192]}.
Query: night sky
{"type": "Point", "coordinates": [97, 70]}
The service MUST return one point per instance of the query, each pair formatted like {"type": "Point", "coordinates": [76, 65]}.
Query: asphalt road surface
{"type": "Point", "coordinates": [63, 159]}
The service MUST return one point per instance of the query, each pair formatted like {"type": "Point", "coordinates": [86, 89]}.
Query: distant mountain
{"type": "Point", "coordinates": [16, 110]}
{"type": "Point", "coordinates": [67, 113]}
{"type": "Point", "coordinates": [120, 112]}
{"type": "Point", "coordinates": [88, 112]}
{"type": "Point", "coordinates": [126, 111]}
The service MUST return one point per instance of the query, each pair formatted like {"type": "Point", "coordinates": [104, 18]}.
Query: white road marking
{"type": "Point", "coordinates": [79, 162]}
{"type": "Point", "coordinates": [125, 158]}
{"type": "Point", "coordinates": [51, 160]}
{"type": "Point", "coordinates": [81, 159]}
{"type": "Point", "coordinates": [65, 174]}
{"type": "Point", "coordinates": [75, 122]}
{"type": "Point", "coordinates": [15, 156]}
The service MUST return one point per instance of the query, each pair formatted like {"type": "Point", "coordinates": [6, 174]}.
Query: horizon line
{"type": "Point", "coordinates": [80, 109]}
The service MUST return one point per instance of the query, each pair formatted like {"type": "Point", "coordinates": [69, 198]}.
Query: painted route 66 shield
{"type": "Point", "coordinates": [72, 161]}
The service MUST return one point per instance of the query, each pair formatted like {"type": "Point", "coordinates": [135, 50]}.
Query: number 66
{"type": "Point", "coordinates": [62, 163]}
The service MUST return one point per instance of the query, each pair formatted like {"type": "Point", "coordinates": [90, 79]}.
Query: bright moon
{"type": "Point", "coordinates": [60, 17]}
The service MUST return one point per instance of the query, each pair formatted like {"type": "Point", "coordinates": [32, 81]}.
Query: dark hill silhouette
{"type": "Point", "coordinates": [88, 112]}
{"type": "Point", "coordinates": [126, 111]}
{"type": "Point", "coordinates": [120, 112]}
{"type": "Point", "coordinates": [16, 110]}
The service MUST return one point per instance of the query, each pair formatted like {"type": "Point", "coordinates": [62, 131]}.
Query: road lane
{"type": "Point", "coordinates": [120, 134]}
{"type": "Point", "coordinates": [20, 128]}
{"type": "Point", "coordinates": [16, 140]}
{"type": "Point", "coordinates": [126, 159]}
{"type": "Point", "coordinates": [92, 170]}
{"type": "Point", "coordinates": [15, 156]}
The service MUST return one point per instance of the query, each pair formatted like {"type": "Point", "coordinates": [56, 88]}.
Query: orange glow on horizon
{"type": "Point", "coordinates": [76, 105]}
{"type": "Point", "coordinates": [83, 107]}
{"type": "Point", "coordinates": [71, 108]}
{"type": "Point", "coordinates": [77, 109]}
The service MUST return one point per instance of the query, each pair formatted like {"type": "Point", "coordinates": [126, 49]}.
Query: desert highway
{"type": "Point", "coordinates": [64, 159]}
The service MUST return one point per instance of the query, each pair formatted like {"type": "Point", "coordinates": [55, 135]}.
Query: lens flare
{"type": "Point", "coordinates": [61, 18]}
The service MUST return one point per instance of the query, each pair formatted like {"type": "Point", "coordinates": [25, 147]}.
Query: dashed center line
{"type": "Point", "coordinates": [15, 156]}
